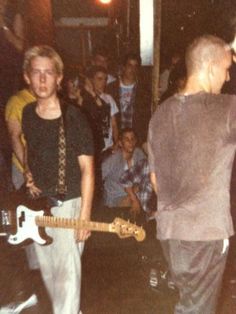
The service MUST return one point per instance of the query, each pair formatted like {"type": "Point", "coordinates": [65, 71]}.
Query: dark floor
{"type": "Point", "coordinates": [115, 278]}
{"type": "Point", "coordinates": [115, 275]}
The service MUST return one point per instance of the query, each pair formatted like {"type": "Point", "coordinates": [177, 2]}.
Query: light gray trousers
{"type": "Point", "coordinates": [60, 262]}
{"type": "Point", "coordinates": [196, 268]}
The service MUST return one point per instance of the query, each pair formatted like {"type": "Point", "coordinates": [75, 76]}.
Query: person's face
{"type": "Point", "coordinates": [42, 77]}
{"type": "Point", "coordinates": [72, 87]}
{"type": "Point", "coordinates": [3, 4]}
{"type": "Point", "coordinates": [99, 81]}
{"type": "Point", "coordinates": [128, 142]}
{"type": "Point", "coordinates": [100, 60]}
{"type": "Point", "coordinates": [131, 68]}
{"type": "Point", "coordinates": [220, 73]}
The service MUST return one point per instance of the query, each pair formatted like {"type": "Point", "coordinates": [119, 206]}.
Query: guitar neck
{"type": "Point", "coordinates": [70, 223]}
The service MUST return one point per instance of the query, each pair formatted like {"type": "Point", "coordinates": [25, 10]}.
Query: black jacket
{"type": "Point", "coordinates": [142, 107]}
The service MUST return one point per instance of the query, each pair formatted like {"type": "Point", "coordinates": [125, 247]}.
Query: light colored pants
{"type": "Point", "coordinates": [60, 262]}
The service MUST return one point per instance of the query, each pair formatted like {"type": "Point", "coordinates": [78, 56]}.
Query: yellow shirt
{"type": "Point", "coordinates": [13, 111]}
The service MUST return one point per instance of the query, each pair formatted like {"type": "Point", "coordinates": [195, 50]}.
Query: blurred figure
{"type": "Point", "coordinates": [5, 157]}
{"type": "Point", "coordinates": [100, 110]}
{"type": "Point", "coordinates": [73, 87]}
{"type": "Point", "coordinates": [13, 117]}
{"type": "Point", "coordinates": [98, 77]}
{"type": "Point", "coordinates": [165, 75]}
{"type": "Point", "coordinates": [12, 40]}
{"type": "Point", "coordinates": [101, 58]}
{"type": "Point", "coordinates": [132, 97]}
{"type": "Point", "coordinates": [11, 47]}
{"type": "Point", "coordinates": [177, 80]}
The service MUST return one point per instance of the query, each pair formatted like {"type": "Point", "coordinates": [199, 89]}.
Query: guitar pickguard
{"type": "Point", "coordinates": [26, 226]}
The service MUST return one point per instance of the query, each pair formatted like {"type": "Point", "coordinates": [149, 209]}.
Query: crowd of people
{"type": "Point", "coordinates": [66, 133]}
{"type": "Point", "coordinates": [88, 136]}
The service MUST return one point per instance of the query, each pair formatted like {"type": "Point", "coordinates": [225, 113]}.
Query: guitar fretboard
{"type": "Point", "coordinates": [59, 222]}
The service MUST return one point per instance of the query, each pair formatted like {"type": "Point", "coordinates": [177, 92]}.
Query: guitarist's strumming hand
{"type": "Point", "coordinates": [32, 188]}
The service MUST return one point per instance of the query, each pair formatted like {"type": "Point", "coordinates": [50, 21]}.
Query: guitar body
{"type": "Point", "coordinates": [26, 226]}
{"type": "Point", "coordinates": [16, 219]}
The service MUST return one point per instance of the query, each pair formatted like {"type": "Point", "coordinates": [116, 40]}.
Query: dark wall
{"type": "Point", "coordinates": [39, 22]}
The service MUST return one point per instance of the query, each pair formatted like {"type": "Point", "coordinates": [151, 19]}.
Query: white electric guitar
{"type": "Point", "coordinates": [29, 221]}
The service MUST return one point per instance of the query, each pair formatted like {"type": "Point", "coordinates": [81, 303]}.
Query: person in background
{"type": "Point", "coordinates": [11, 47]}
{"type": "Point", "coordinates": [100, 110]}
{"type": "Point", "coordinates": [192, 141]}
{"type": "Point", "coordinates": [132, 98]}
{"type": "Point", "coordinates": [165, 74]}
{"type": "Point", "coordinates": [5, 154]}
{"type": "Point", "coordinates": [13, 118]}
{"type": "Point", "coordinates": [177, 80]}
{"type": "Point", "coordinates": [101, 58]}
{"type": "Point", "coordinates": [113, 167]}
{"type": "Point", "coordinates": [12, 42]}
{"type": "Point", "coordinates": [98, 78]}
{"type": "Point", "coordinates": [72, 86]}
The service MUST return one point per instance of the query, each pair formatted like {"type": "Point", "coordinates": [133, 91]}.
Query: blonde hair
{"type": "Point", "coordinates": [43, 51]}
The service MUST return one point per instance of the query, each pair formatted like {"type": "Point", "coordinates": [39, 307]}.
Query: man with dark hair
{"type": "Point", "coordinates": [132, 97]}
{"type": "Point", "coordinates": [59, 165]}
{"type": "Point", "coordinates": [107, 107]}
{"type": "Point", "coordinates": [115, 194]}
{"type": "Point", "coordinates": [131, 56]}
{"type": "Point", "coordinates": [101, 58]}
{"type": "Point", "coordinates": [192, 139]}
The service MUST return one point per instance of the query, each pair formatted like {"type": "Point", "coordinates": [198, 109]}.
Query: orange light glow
{"type": "Point", "coordinates": [105, 1]}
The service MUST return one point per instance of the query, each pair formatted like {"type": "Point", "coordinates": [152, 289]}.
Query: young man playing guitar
{"type": "Point", "coordinates": [57, 136]}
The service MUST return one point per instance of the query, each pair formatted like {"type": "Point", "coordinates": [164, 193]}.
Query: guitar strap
{"type": "Point", "coordinates": [61, 184]}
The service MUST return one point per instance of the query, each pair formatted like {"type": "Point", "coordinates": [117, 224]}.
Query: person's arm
{"type": "Point", "coordinates": [86, 164]}
{"type": "Point", "coordinates": [127, 180]}
{"type": "Point", "coordinates": [115, 132]}
{"type": "Point", "coordinates": [16, 36]}
{"type": "Point", "coordinates": [153, 179]}
{"type": "Point", "coordinates": [32, 188]}
{"type": "Point", "coordinates": [151, 161]}
{"type": "Point", "coordinates": [15, 132]}
{"type": "Point", "coordinates": [135, 204]}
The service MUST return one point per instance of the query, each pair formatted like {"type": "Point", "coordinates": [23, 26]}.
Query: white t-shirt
{"type": "Point", "coordinates": [113, 110]}
{"type": "Point", "coordinates": [126, 108]}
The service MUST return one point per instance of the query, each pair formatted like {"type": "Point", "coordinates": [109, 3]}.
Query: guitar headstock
{"type": "Point", "coordinates": [125, 229]}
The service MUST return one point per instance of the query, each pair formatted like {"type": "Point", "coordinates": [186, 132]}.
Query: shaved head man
{"type": "Point", "coordinates": [192, 140]}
